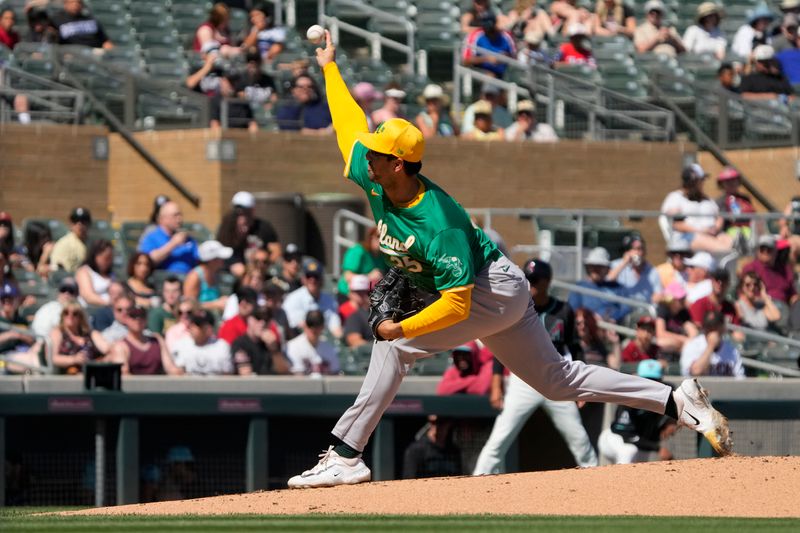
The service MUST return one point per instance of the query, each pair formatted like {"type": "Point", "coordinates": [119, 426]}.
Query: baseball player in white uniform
{"type": "Point", "coordinates": [521, 400]}
{"type": "Point", "coordinates": [474, 291]}
{"type": "Point", "coordinates": [635, 435]}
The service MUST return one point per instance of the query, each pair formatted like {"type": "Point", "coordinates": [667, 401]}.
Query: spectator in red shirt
{"type": "Point", "coordinates": [578, 51]}
{"type": "Point", "coordinates": [776, 273]}
{"type": "Point", "coordinates": [471, 372]}
{"type": "Point", "coordinates": [235, 327]}
{"type": "Point", "coordinates": [8, 36]}
{"type": "Point", "coordinates": [716, 301]}
{"type": "Point", "coordinates": [642, 346]}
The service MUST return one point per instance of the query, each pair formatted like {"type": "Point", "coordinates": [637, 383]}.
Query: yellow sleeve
{"type": "Point", "coordinates": [348, 117]}
{"type": "Point", "coordinates": [451, 308]}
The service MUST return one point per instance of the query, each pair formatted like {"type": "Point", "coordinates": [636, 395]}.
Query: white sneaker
{"type": "Point", "coordinates": [697, 413]}
{"type": "Point", "coordinates": [332, 469]}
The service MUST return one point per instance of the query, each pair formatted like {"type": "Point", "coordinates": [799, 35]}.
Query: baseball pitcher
{"type": "Point", "coordinates": [469, 289]}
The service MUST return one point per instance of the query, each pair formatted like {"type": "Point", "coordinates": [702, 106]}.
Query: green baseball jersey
{"type": "Point", "coordinates": [433, 241]}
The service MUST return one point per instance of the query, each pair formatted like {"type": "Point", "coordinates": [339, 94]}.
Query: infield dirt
{"type": "Point", "coordinates": [731, 486]}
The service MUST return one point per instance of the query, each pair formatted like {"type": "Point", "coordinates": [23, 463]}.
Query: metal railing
{"type": "Point", "coordinates": [750, 333]}
{"type": "Point", "coordinates": [287, 7]}
{"type": "Point", "coordinates": [734, 122]}
{"type": "Point", "coordinates": [343, 217]}
{"type": "Point", "coordinates": [346, 225]}
{"type": "Point", "coordinates": [417, 60]}
{"type": "Point", "coordinates": [609, 115]}
{"type": "Point", "coordinates": [580, 220]}
{"type": "Point", "coordinates": [746, 361]}
{"type": "Point", "coordinates": [47, 99]}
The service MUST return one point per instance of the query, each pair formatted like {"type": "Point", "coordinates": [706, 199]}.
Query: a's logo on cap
{"type": "Point", "coordinates": [380, 128]}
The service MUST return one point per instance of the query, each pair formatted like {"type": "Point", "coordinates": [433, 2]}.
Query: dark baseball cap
{"type": "Point", "coordinates": [69, 285]}
{"type": "Point", "coordinates": [273, 290]}
{"type": "Point", "coordinates": [487, 19]}
{"type": "Point", "coordinates": [247, 294]}
{"type": "Point", "coordinates": [292, 251]}
{"type": "Point", "coordinates": [312, 267]}
{"type": "Point", "coordinates": [315, 319]}
{"type": "Point", "coordinates": [536, 269]}
{"type": "Point", "coordinates": [202, 318]}
{"type": "Point", "coordinates": [8, 290]}
{"type": "Point", "coordinates": [721, 274]}
{"type": "Point", "coordinates": [80, 214]}
{"type": "Point", "coordinates": [262, 314]}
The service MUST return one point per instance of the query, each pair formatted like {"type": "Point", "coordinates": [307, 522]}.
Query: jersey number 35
{"type": "Point", "coordinates": [406, 263]}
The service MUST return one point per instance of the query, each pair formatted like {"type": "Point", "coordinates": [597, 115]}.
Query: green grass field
{"type": "Point", "coordinates": [13, 520]}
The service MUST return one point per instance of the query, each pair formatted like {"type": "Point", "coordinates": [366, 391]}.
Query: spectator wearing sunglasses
{"type": "Point", "coordinates": [139, 353]}
{"type": "Point", "coordinates": [48, 316]}
{"type": "Point", "coordinates": [74, 343]}
{"type": "Point", "coordinates": [308, 111]}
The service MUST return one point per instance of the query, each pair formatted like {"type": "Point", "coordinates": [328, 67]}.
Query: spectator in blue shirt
{"type": "Point", "coordinates": [170, 248]}
{"type": "Point", "coordinates": [597, 266]}
{"type": "Point", "coordinates": [489, 37]}
{"type": "Point", "coordinates": [634, 272]}
{"type": "Point", "coordinates": [308, 111]}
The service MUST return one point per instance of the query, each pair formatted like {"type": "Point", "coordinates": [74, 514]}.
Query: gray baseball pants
{"type": "Point", "coordinates": [503, 317]}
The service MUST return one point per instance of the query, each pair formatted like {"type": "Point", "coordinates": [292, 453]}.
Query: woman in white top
{"type": "Point", "coordinates": [94, 277]}
{"type": "Point", "coordinates": [705, 37]}
{"type": "Point", "coordinates": [699, 223]}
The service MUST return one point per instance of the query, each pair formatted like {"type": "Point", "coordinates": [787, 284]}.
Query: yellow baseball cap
{"type": "Point", "coordinates": [397, 137]}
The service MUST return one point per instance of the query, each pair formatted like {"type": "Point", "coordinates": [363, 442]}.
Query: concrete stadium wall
{"type": "Point", "coordinates": [133, 183]}
{"type": "Point", "coordinates": [46, 170]}
{"type": "Point", "coordinates": [772, 170]}
{"type": "Point", "coordinates": [570, 174]}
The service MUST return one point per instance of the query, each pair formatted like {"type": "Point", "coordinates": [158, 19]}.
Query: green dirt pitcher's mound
{"type": "Point", "coordinates": [733, 486]}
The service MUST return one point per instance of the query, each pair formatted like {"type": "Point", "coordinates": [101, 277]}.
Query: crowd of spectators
{"type": "Point", "coordinates": [239, 303]}
{"type": "Point", "coordinates": [236, 71]}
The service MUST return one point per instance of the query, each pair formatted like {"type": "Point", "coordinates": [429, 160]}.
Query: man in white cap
{"type": "Point", "coordinates": [392, 100]}
{"type": "Point", "coordinates": [241, 230]}
{"type": "Point", "coordinates": [201, 283]}
{"type": "Point", "coordinates": [356, 325]}
{"type": "Point", "coordinates": [597, 264]}
{"type": "Point", "coordinates": [534, 53]}
{"type": "Point", "coordinates": [698, 282]}
{"type": "Point", "coordinates": [653, 35]}
{"type": "Point", "coordinates": [526, 128]}
{"type": "Point", "coordinates": [767, 81]}
{"type": "Point", "coordinates": [578, 50]}
{"type": "Point", "coordinates": [435, 120]}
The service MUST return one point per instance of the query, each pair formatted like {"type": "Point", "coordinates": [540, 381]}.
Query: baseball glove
{"type": "Point", "coordinates": [393, 298]}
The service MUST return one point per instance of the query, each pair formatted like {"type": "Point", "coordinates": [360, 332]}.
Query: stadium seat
{"type": "Point", "coordinates": [432, 366]}
{"type": "Point", "coordinates": [139, 8]}
{"type": "Point", "coordinates": [57, 228]}
{"type": "Point", "coordinates": [159, 39]}
{"type": "Point", "coordinates": [163, 55]}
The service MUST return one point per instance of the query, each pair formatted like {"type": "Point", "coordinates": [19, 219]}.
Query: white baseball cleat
{"type": "Point", "coordinates": [332, 469]}
{"type": "Point", "coordinates": [697, 413]}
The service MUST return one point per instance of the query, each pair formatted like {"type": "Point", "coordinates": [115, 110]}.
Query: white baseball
{"type": "Point", "coordinates": [315, 34]}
